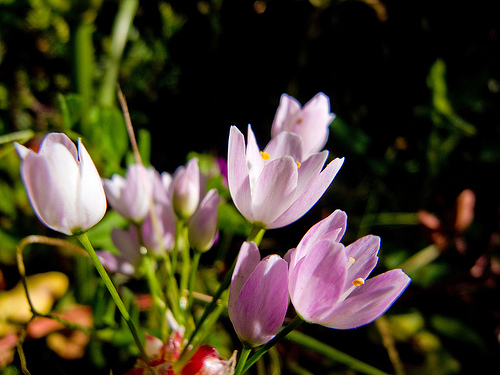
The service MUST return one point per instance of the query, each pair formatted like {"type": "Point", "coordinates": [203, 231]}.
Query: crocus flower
{"type": "Point", "coordinates": [328, 282]}
{"type": "Point", "coordinates": [186, 189]}
{"type": "Point", "coordinates": [275, 187]}
{"type": "Point", "coordinates": [258, 298]}
{"type": "Point", "coordinates": [309, 122]}
{"type": "Point", "coordinates": [202, 226]}
{"type": "Point", "coordinates": [131, 196]}
{"type": "Point", "coordinates": [63, 185]}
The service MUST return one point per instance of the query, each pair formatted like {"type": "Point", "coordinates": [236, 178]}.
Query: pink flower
{"type": "Point", "coordinates": [328, 282]}
{"type": "Point", "coordinates": [202, 226]}
{"type": "Point", "coordinates": [186, 189]}
{"type": "Point", "coordinates": [131, 196]}
{"type": "Point", "coordinates": [309, 122]}
{"type": "Point", "coordinates": [277, 186]}
{"type": "Point", "coordinates": [63, 185]}
{"type": "Point", "coordinates": [258, 298]}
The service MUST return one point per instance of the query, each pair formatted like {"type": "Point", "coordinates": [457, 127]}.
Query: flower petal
{"type": "Point", "coordinates": [309, 197]}
{"type": "Point", "coordinates": [368, 301]}
{"type": "Point", "coordinates": [238, 179]}
{"type": "Point", "coordinates": [286, 115]}
{"type": "Point", "coordinates": [315, 117]}
{"type": "Point", "coordinates": [248, 258]}
{"type": "Point", "coordinates": [262, 303]}
{"type": "Point", "coordinates": [92, 200]}
{"type": "Point", "coordinates": [332, 227]}
{"type": "Point", "coordinates": [275, 190]}
{"type": "Point", "coordinates": [317, 280]}
{"type": "Point", "coordinates": [285, 143]}
{"type": "Point", "coordinates": [364, 252]}
{"type": "Point", "coordinates": [49, 193]}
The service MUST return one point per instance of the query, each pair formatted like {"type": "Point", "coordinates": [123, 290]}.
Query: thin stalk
{"type": "Point", "coordinates": [203, 331]}
{"type": "Point", "coordinates": [245, 352]}
{"type": "Point", "coordinates": [192, 277]}
{"type": "Point", "coordinates": [281, 334]}
{"type": "Point", "coordinates": [256, 234]}
{"type": "Point", "coordinates": [83, 238]}
{"type": "Point", "coordinates": [20, 352]}
{"type": "Point", "coordinates": [334, 354]}
{"type": "Point", "coordinates": [156, 292]}
{"type": "Point", "coordinates": [185, 271]}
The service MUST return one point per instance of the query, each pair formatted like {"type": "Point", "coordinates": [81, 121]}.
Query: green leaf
{"type": "Point", "coordinates": [108, 133]}
{"type": "Point", "coordinates": [70, 106]}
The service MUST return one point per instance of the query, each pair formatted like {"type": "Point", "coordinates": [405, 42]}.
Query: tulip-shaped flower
{"type": "Point", "coordinates": [63, 185]}
{"type": "Point", "coordinates": [309, 122]}
{"type": "Point", "coordinates": [328, 282]}
{"type": "Point", "coordinates": [258, 298]}
{"type": "Point", "coordinates": [186, 189]}
{"type": "Point", "coordinates": [202, 226]}
{"type": "Point", "coordinates": [275, 187]}
{"type": "Point", "coordinates": [131, 196]}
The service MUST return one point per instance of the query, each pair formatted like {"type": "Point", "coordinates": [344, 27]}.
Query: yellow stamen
{"type": "Point", "coordinates": [265, 155]}
{"type": "Point", "coordinates": [351, 260]}
{"type": "Point", "coordinates": [298, 164]}
{"type": "Point", "coordinates": [359, 281]}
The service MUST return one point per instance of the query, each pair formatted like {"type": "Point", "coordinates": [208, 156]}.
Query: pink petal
{"type": "Point", "coordinates": [262, 303]}
{"type": "Point", "coordinates": [364, 252]}
{"type": "Point", "coordinates": [332, 227]}
{"type": "Point", "coordinates": [317, 280]}
{"type": "Point", "coordinates": [92, 203]}
{"type": "Point", "coordinates": [275, 190]}
{"type": "Point", "coordinates": [286, 115]}
{"type": "Point", "coordinates": [309, 197]}
{"type": "Point", "coordinates": [368, 301]}
{"type": "Point", "coordinates": [52, 185]}
{"type": "Point", "coordinates": [238, 178]}
{"type": "Point", "coordinates": [248, 258]}
{"type": "Point", "coordinates": [283, 144]}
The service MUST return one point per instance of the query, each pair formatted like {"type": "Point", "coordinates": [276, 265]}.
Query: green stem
{"type": "Point", "coordinates": [281, 334]}
{"type": "Point", "coordinates": [156, 292]}
{"type": "Point", "coordinates": [83, 238]}
{"type": "Point", "coordinates": [203, 330]}
{"type": "Point", "coordinates": [256, 234]}
{"type": "Point", "coordinates": [245, 352]}
{"type": "Point", "coordinates": [192, 277]}
{"type": "Point", "coordinates": [332, 353]}
{"type": "Point", "coordinates": [185, 271]}
{"type": "Point", "coordinates": [20, 352]}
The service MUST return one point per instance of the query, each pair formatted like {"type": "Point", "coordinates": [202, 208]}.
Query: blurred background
{"type": "Point", "coordinates": [415, 86]}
